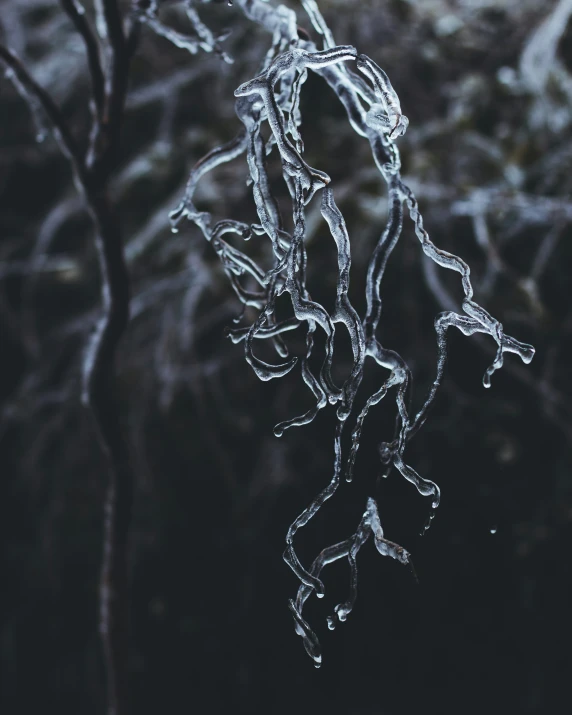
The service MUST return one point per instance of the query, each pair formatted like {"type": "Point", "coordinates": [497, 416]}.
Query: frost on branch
{"type": "Point", "coordinates": [271, 101]}
{"type": "Point", "coordinates": [199, 37]}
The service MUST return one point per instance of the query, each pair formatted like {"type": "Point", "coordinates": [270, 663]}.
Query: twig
{"type": "Point", "coordinates": [76, 13]}
{"type": "Point", "coordinates": [63, 134]}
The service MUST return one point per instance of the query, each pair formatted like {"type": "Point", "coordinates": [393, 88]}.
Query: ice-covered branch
{"type": "Point", "coordinates": [369, 524]}
{"type": "Point", "coordinates": [271, 101]}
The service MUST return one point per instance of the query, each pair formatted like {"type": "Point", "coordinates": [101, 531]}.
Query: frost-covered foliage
{"type": "Point", "coordinates": [373, 109]}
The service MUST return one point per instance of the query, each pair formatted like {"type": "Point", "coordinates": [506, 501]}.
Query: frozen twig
{"type": "Point", "coordinates": [272, 100]}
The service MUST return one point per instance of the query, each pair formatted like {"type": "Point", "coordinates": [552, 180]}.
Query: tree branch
{"type": "Point", "coordinates": [62, 132]}
{"type": "Point", "coordinates": [106, 139]}
{"type": "Point", "coordinates": [76, 13]}
{"type": "Point", "coordinates": [100, 395]}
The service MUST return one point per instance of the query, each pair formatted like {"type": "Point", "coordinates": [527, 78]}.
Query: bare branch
{"type": "Point", "coordinates": [76, 13]}
{"type": "Point", "coordinates": [53, 112]}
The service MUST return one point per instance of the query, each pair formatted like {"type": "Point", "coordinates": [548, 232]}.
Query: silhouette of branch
{"type": "Point", "coordinates": [76, 13]}
{"type": "Point", "coordinates": [92, 175]}
{"type": "Point", "coordinates": [53, 112]}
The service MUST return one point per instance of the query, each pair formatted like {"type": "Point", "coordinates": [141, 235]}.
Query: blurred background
{"type": "Point", "coordinates": [487, 87]}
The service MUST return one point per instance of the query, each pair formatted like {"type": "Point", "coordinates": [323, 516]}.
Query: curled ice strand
{"type": "Point", "coordinates": [247, 298]}
{"type": "Point", "coordinates": [304, 308]}
{"type": "Point", "coordinates": [220, 155]}
{"type": "Point", "coordinates": [389, 359]}
{"type": "Point", "coordinates": [294, 115]}
{"type": "Point", "coordinates": [393, 550]}
{"type": "Point", "coordinates": [379, 259]}
{"type": "Point", "coordinates": [263, 85]}
{"type": "Point", "coordinates": [387, 95]}
{"type": "Point", "coordinates": [264, 371]}
{"type": "Point", "coordinates": [344, 311]}
{"type": "Point", "coordinates": [349, 548]}
{"type": "Point", "coordinates": [147, 14]}
{"type": "Point", "coordinates": [318, 22]}
{"type": "Point", "coordinates": [266, 205]}
{"type": "Point", "coordinates": [309, 638]}
{"type": "Point", "coordinates": [205, 34]}
{"type": "Point", "coordinates": [315, 387]}
{"type": "Point", "coordinates": [385, 547]}
{"type": "Point", "coordinates": [268, 106]}
{"type": "Point", "coordinates": [290, 555]}
{"type": "Point", "coordinates": [235, 261]}
{"type": "Point", "coordinates": [442, 323]}
{"type": "Point", "coordinates": [239, 334]}
{"type": "Point", "coordinates": [356, 81]}
{"type": "Point", "coordinates": [425, 487]}
{"type": "Point", "coordinates": [441, 258]}
{"type": "Point", "coordinates": [271, 332]}
{"type": "Point", "coordinates": [487, 324]}
{"type": "Point", "coordinates": [280, 22]}
{"type": "Point", "coordinates": [377, 119]}
{"type": "Point", "coordinates": [325, 557]}
{"type": "Point", "coordinates": [394, 379]}
{"type": "Point", "coordinates": [342, 610]}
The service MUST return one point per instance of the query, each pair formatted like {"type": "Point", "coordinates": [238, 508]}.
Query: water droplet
{"type": "Point", "coordinates": [331, 623]}
{"type": "Point", "coordinates": [174, 229]}
{"type": "Point", "coordinates": [229, 3]}
{"type": "Point", "coordinates": [494, 529]}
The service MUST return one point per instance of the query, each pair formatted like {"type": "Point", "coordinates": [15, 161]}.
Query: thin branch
{"type": "Point", "coordinates": [104, 148]}
{"type": "Point", "coordinates": [114, 25]}
{"type": "Point", "coordinates": [53, 112]}
{"type": "Point", "coordinates": [100, 396]}
{"type": "Point", "coordinates": [76, 13]}
{"type": "Point", "coordinates": [117, 81]}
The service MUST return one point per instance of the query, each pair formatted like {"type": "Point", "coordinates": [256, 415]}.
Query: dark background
{"type": "Point", "coordinates": [488, 626]}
